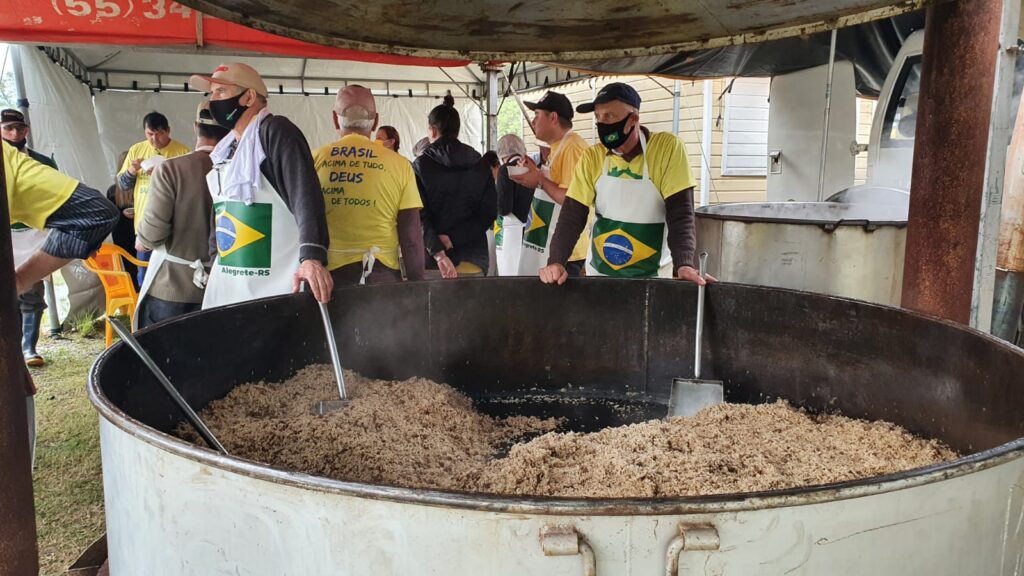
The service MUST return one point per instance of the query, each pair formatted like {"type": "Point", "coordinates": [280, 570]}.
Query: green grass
{"type": "Point", "coordinates": [86, 324]}
{"type": "Point", "coordinates": [68, 481]}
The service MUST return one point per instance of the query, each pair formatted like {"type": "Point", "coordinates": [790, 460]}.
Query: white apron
{"type": "Point", "coordinates": [540, 225]}
{"type": "Point", "coordinates": [157, 258]}
{"type": "Point", "coordinates": [369, 258]}
{"type": "Point", "coordinates": [257, 245]}
{"type": "Point", "coordinates": [508, 244]}
{"type": "Point", "coordinates": [26, 241]}
{"type": "Point", "coordinates": [630, 236]}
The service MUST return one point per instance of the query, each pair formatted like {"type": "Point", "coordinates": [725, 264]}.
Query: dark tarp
{"type": "Point", "coordinates": [871, 47]}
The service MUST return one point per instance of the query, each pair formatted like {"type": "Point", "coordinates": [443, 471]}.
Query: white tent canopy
{"type": "Point", "coordinates": [120, 67]}
{"type": "Point", "coordinates": [86, 128]}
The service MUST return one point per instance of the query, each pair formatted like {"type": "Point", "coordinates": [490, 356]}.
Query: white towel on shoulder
{"type": "Point", "coordinates": [242, 176]}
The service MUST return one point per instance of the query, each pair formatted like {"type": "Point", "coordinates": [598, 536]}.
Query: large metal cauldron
{"type": "Point", "coordinates": [174, 509]}
{"type": "Point", "coordinates": [851, 250]}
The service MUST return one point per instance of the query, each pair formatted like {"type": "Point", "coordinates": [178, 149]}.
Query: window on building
{"type": "Point", "coordinates": [745, 129]}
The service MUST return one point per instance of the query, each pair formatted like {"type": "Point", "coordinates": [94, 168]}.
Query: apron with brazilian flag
{"type": "Point", "coordinates": [508, 244]}
{"type": "Point", "coordinates": [257, 245]}
{"type": "Point", "coordinates": [630, 237]}
{"type": "Point", "coordinates": [537, 234]}
{"type": "Point", "coordinates": [540, 226]}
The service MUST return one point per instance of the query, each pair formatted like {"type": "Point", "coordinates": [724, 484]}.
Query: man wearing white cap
{"type": "Point", "coordinates": [270, 230]}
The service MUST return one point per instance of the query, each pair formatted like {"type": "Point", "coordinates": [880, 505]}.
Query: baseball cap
{"type": "Point", "coordinates": [355, 102]}
{"type": "Point", "coordinates": [610, 93]}
{"type": "Point", "coordinates": [553, 102]}
{"type": "Point", "coordinates": [203, 114]}
{"type": "Point", "coordinates": [10, 116]}
{"type": "Point", "coordinates": [232, 73]}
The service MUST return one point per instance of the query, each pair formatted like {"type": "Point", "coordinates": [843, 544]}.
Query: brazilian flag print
{"type": "Point", "coordinates": [541, 212]}
{"type": "Point", "coordinates": [499, 232]}
{"type": "Point", "coordinates": [626, 249]}
{"type": "Point", "coordinates": [243, 234]}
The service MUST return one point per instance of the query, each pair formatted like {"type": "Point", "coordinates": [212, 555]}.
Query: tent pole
{"type": "Point", "coordinates": [705, 144]}
{"type": "Point", "coordinates": [675, 107]}
{"type": "Point", "coordinates": [828, 114]}
{"type": "Point", "coordinates": [19, 85]}
{"type": "Point", "coordinates": [492, 104]}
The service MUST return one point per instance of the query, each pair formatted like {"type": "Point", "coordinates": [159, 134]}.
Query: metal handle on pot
{"type": "Point", "coordinates": [566, 541]}
{"type": "Point", "coordinates": [691, 537]}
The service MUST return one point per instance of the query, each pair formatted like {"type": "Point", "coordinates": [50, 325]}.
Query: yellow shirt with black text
{"type": "Point", "coordinates": [34, 190]}
{"type": "Point", "coordinates": [143, 151]}
{"type": "Point", "coordinates": [364, 185]}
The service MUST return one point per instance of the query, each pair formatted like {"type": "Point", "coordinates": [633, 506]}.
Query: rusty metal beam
{"type": "Point", "coordinates": [954, 110]}
{"type": "Point", "coordinates": [18, 553]}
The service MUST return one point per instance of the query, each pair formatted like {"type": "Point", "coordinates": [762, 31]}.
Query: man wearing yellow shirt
{"type": "Point", "coordinates": [77, 217]}
{"type": "Point", "coordinates": [370, 197]}
{"type": "Point", "coordinates": [139, 163]}
{"type": "Point", "coordinates": [552, 124]}
{"type": "Point", "coordinates": [641, 187]}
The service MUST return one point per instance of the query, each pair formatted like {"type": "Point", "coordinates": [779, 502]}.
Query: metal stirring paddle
{"type": "Point", "coordinates": [325, 407]}
{"type": "Point", "coordinates": [190, 414]}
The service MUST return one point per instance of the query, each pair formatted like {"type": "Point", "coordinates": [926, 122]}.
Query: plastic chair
{"type": "Point", "coordinates": [117, 284]}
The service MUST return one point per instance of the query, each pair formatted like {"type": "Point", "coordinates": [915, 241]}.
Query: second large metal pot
{"type": "Point", "coordinates": [851, 250]}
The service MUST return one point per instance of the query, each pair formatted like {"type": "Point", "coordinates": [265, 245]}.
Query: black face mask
{"type": "Point", "coordinates": [227, 112]}
{"type": "Point", "coordinates": [613, 135]}
{"type": "Point", "coordinates": [19, 144]}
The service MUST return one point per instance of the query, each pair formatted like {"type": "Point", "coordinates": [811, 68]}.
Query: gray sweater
{"type": "Point", "coordinates": [177, 216]}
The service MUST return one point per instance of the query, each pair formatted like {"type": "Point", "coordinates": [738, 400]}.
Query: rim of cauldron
{"type": "Point", "coordinates": [735, 502]}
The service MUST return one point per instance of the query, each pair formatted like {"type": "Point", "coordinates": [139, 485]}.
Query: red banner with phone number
{"type": "Point", "coordinates": [160, 23]}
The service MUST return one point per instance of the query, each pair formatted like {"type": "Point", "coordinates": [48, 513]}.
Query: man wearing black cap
{"type": "Point", "coordinates": [552, 124]}
{"type": "Point", "coordinates": [642, 189]}
{"type": "Point", "coordinates": [14, 130]}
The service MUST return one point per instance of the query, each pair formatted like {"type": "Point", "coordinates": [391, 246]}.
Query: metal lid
{"type": "Point", "coordinates": [560, 30]}
{"type": "Point", "coordinates": [815, 213]}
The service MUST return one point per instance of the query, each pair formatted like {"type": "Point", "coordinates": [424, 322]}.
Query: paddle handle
{"type": "Point", "coordinates": [190, 414]}
{"type": "Point", "coordinates": [332, 345]}
{"type": "Point", "coordinates": [699, 333]}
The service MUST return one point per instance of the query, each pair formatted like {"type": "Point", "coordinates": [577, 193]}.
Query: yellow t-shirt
{"type": "Point", "coordinates": [364, 186]}
{"type": "Point", "coordinates": [667, 167]}
{"type": "Point", "coordinates": [34, 190]}
{"type": "Point", "coordinates": [572, 147]}
{"type": "Point", "coordinates": [142, 151]}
